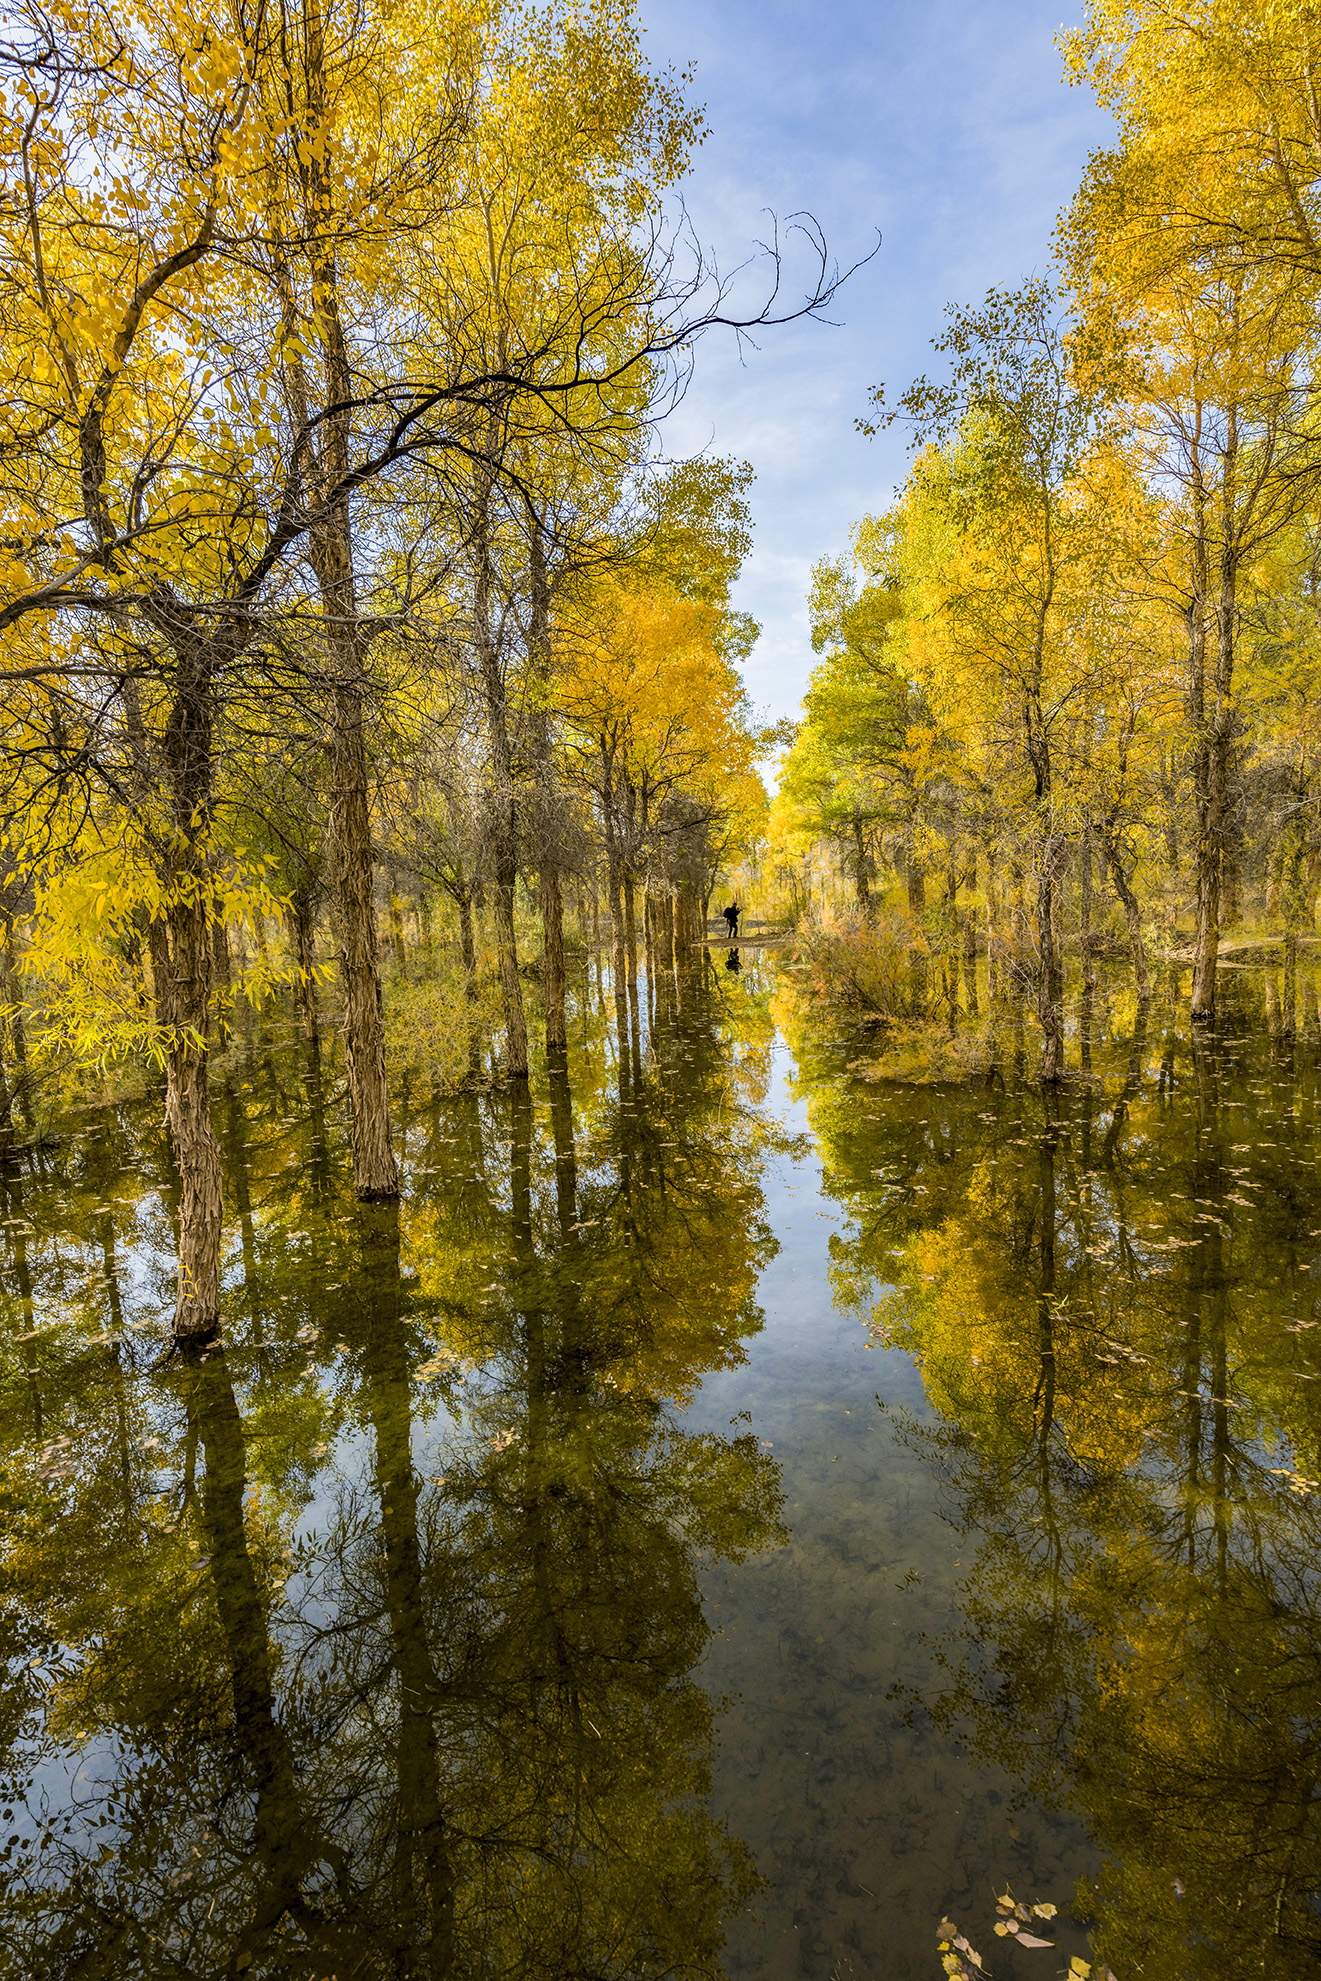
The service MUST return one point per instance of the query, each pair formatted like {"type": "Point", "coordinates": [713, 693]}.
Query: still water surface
{"type": "Point", "coordinates": [737, 1511]}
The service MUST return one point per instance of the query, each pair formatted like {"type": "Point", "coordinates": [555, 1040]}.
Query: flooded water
{"type": "Point", "coordinates": [737, 1511]}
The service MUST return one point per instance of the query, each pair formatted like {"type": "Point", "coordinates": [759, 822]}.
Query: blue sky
{"type": "Point", "coordinates": [944, 126]}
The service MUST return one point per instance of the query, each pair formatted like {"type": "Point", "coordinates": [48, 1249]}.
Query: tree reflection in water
{"type": "Point", "coordinates": [432, 1711]}
{"type": "Point", "coordinates": [1118, 1341]}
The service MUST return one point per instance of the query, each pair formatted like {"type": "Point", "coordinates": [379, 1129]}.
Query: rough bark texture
{"type": "Point", "coordinates": [330, 545]}
{"type": "Point", "coordinates": [181, 957]}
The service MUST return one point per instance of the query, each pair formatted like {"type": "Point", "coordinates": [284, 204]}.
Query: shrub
{"type": "Point", "coordinates": [439, 1025]}
{"type": "Point", "coordinates": [878, 966]}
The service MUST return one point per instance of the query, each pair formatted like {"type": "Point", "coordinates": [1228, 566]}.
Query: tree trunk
{"type": "Point", "coordinates": [375, 1173]}
{"type": "Point", "coordinates": [1132, 914]}
{"type": "Point", "coordinates": [466, 943]}
{"type": "Point", "coordinates": [330, 547]}
{"type": "Point", "coordinates": [953, 946]}
{"type": "Point", "coordinates": [22, 1086]}
{"type": "Point", "coordinates": [396, 923]}
{"type": "Point", "coordinates": [504, 810]}
{"type": "Point", "coordinates": [1293, 888]}
{"type": "Point", "coordinates": [861, 886]}
{"type": "Point", "coordinates": [549, 804]}
{"type": "Point", "coordinates": [1050, 979]}
{"type": "Point", "coordinates": [970, 955]}
{"type": "Point", "coordinates": [917, 888]}
{"type": "Point", "coordinates": [1169, 814]}
{"type": "Point", "coordinates": [619, 939]}
{"type": "Point", "coordinates": [304, 939]}
{"type": "Point", "coordinates": [630, 931]}
{"type": "Point", "coordinates": [6, 1114]}
{"type": "Point", "coordinates": [181, 954]}
{"type": "Point", "coordinates": [1211, 765]}
{"type": "Point", "coordinates": [223, 978]}
{"type": "Point", "coordinates": [993, 984]}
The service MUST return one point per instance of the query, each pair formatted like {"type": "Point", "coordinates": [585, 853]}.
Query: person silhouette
{"type": "Point", "coordinates": [731, 920]}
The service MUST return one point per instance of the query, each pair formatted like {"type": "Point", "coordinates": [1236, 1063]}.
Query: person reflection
{"type": "Point", "coordinates": [732, 961]}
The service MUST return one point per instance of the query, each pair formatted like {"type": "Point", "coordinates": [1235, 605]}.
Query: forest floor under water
{"type": "Point", "coordinates": [738, 1510]}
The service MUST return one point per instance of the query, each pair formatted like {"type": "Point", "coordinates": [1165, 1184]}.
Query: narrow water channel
{"type": "Point", "coordinates": [740, 1510]}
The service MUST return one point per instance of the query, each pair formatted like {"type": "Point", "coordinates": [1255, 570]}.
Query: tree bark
{"type": "Point", "coordinates": [330, 547]}
{"type": "Point", "coordinates": [970, 954]}
{"type": "Point", "coordinates": [304, 937]}
{"type": "Point", "coordinates": [466, 943]}
{"type": "Point", "coordinates": [1132, 914]}
{"type": "Point", "coordinates": [22, 1085]}
{"type": "Point", "coordinates": [993, 985]}
{"type": "Point", "coordinates": [504, 804]}
{"type": "Point", "coordinates": [375, 1172]}
{"type": "Point", "coordinates": [397, 923]}
{"type": "Point", "coordinates": [181, 955]}
{"type": "Point", "coordinates": [549, 804]}
{"type": "Point", "coordinates": [861, 886]}
{"type": "Point", "coordinates": [1210, 760]}
{"type": "Point", "coordinates": [223, 978]}
{"type": "Point", "coordinates": [1050, 977]}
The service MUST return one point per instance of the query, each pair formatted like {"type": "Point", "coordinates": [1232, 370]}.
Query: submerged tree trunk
{"type": "Point", "coordinates": [375, 1173]}
{"type": "Point", "coordinates": [1050, 976]}
{"type": "Point", "coordinates": [504, 804]}
{"type": "Point", "coordinates": [1211, 761]}
{"type": "Point", "coordinates": [993, 937]}
{"type": "Point", "coordinates": [222, 978]}
{"type": "Point", "coordinates": [182, 955]}
{"type": "Point", "coordinates": [917, 959]}
{"type": "Point", "coordinates": [1132, 912]}
{"type": "Point", "coordinates": [330, 546]}
{"type": "Point", "coordinates": [22, 1085]}
{"type": "Point", "coordinates": [301, 916]}
{"type": "Point", "coordinates": [550, 900]}
{"type": "Point", "coordinates": [397, 922]}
